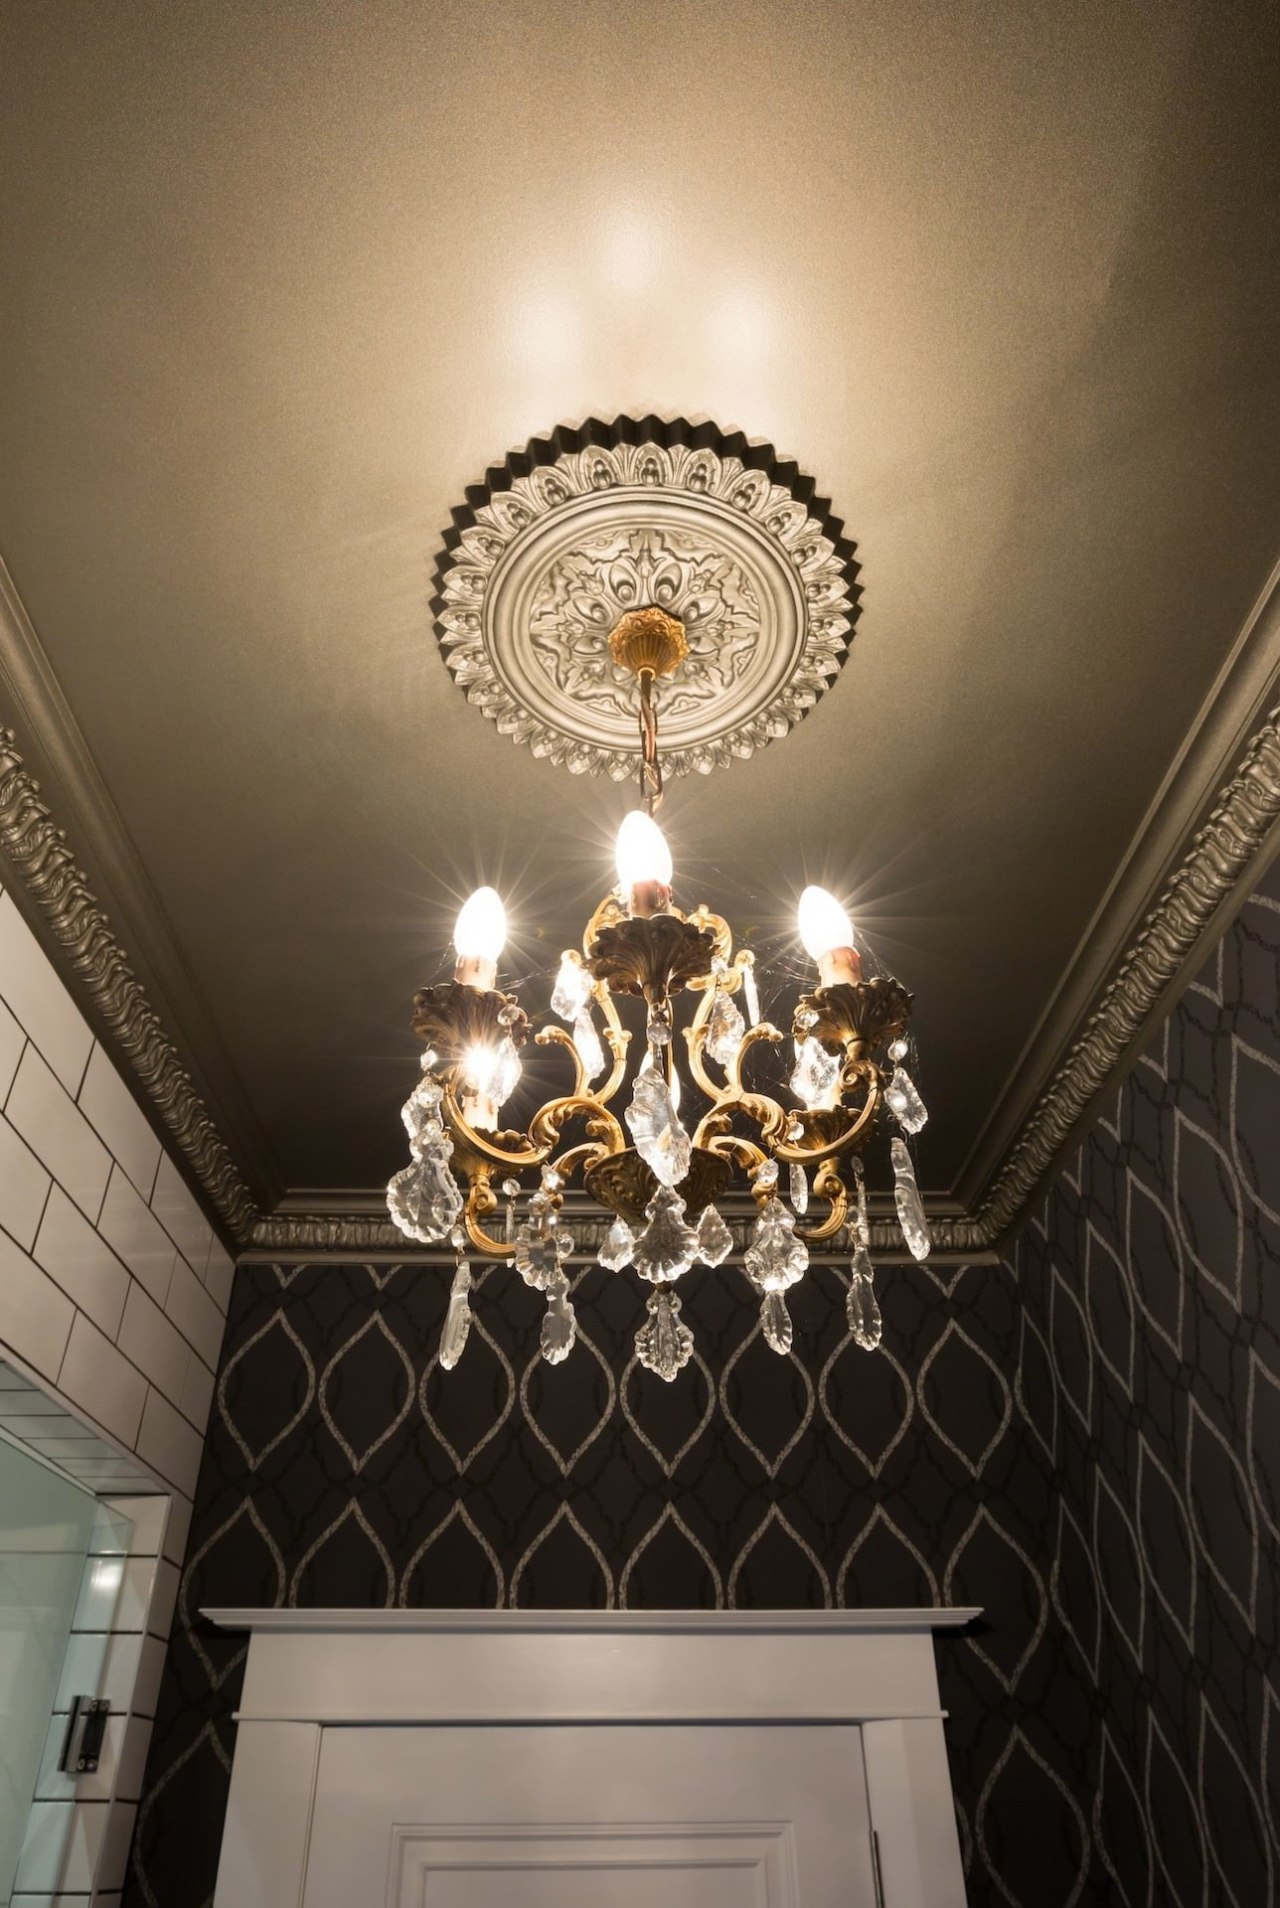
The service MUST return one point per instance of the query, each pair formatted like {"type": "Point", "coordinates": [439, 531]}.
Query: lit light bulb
{"type": "Point", "coordinates": [827, 934]}
{"type": "Point", "coordinates": [479, 936]}
{"type": "Point", "coordinates": [644, 864]}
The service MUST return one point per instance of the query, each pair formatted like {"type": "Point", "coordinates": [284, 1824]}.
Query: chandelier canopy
{"type": "Point", "coordinates": [793, 1132]}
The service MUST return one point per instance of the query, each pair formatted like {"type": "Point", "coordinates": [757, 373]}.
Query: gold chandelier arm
{"type": "Point", "coordinates": [696, 1040]}
{"type": "Point", "coordinates": [481, 1201]}
{"type": "Point", "coordinates": [828, 1185]}
{"type": "Point", "coordinates": [764, 1030]}
{"type": "Point", "coordinates": [546, 1124]}
{"type": "Point", "coordinates": [617, 1039]}
{"type": "Point", "coordinates": [732, 1146]}
{"type": "Point", "coordinates": [480, 1149]}
{"type": "Point", "coordinates": [557, 1037]}
{"type": "Point", "coordinates": [845, 1141]}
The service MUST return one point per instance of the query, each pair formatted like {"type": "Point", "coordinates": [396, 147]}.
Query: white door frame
{"type": "Point", "coordinates": [314, 1669]}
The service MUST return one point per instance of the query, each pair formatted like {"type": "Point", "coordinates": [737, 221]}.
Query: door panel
{"type": "Point", "coordinates": [692, 1815]}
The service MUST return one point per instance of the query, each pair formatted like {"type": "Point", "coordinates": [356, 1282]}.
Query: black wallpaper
{"type": "Point", "coordinates": [1085, 1440]}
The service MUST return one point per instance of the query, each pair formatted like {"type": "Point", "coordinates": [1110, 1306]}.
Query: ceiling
{"type": "Point", "coordinates": [280, 283]}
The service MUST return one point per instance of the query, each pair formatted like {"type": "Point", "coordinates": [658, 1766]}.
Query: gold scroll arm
{"type": "Point", "coordinates": [828, 1185]}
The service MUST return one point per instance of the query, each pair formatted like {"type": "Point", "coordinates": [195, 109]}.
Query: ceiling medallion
{"type": "Point", "coordinates": [586, 526]}
{"type": "Point", "coordinates": [720, 1105]}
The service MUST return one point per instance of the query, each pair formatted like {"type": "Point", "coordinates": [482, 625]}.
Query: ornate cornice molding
{"type": "Point", "coordinates": [37, 850]}
{"type": "Point", "coordinates": [1222, 854]}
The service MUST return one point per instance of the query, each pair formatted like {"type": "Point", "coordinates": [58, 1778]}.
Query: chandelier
{"type": "Point", "coordinates": [798, 1147]}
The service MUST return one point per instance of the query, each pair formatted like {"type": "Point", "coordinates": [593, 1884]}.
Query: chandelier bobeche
{"type": "Point", "coordinates": [659, 1180]}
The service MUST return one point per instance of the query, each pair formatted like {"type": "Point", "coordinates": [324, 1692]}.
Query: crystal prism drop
{"type": "Point", "coordinates": [422, 1110]}
{"type": "Point", "coordinates": [915, 1227]}
{"type": "Point", "coordinates": [619, 1244]}
{"type": "Point", "coordinates": [776, 1320]}
{"type": "Point", "coordinates": [658, 1028]}
{"type": "Point", "coordinates": [559, 1324]}
{"type": "Point", "coordinates": [667, 1247]}
{"type": "Point", "coordinates": [861, 1222]}
{"type": "Point", "coordinates": [816, 1073]}
{"type": "Point", "coordinates": [664, 1345]}
{"type": "Point", "coordinates": [725, 1029]}
{"type": "Point", "coordinates": [537, 1257]}
{"type": "Point", "coordinates": [424, 1199]}
{"type": "Point", "coordinates": [904, 1102]}
{"type": "Point", "coordinates": [799, 1187]}
{"type": "Point", "coordinates": [862, 1306]}
{"type": "Point", "coordinates": [775, 1258]}
{"type": "Point", "coordinates": [587, 1042]}
{"type": "Point", "coordinates": [898, 1049]}
{"type": "Point", "coordinates": [572, 990]}
{"type": "Point", "coordinates": [751, 998]}
{"type": "Point", "coordinates": [715, 1241]}
{"type": "Point", "coordinates": [457, 1320]}
{"type": "Point", "coordinates": [661, 1141]}
{"type": "Point", "coordinates": [765, 1177]}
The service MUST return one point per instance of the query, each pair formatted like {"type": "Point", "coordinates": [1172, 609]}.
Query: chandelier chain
{"type": "Point", "coordinates": [650, 766]}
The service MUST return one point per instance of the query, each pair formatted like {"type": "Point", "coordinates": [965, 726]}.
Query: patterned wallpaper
{"type": "Point", "coordinates": [1085, 1440]}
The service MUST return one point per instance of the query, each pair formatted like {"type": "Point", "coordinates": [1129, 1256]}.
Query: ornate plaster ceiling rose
{"type": "Point", "coordinates": [571, 534]}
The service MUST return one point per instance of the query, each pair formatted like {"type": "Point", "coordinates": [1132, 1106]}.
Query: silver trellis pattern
{"type": "Point", "coordinates": [1085, 1440]}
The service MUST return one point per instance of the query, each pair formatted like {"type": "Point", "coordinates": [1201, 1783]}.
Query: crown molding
{"type": "Point", "coordinates": [1234, 710]}
{"type": "Point", "coordinates": [61, 774]}
{"type": "Point", "coordinates": [1170, 897]}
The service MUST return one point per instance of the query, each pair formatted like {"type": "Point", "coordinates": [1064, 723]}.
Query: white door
{"type": "Point", "coordinates": [686, 1815]}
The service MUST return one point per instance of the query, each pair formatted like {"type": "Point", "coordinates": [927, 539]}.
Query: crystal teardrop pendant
{"type": "Point", "coordinates": [715, 1241]}
{"type": "Point", "coordinates": [904, 1102]}
{"type": "Point", "coordinates": [537, 1256]}
{"type": "Point", "coordinates": [573, 989]}
{"type": "Point", "coordinates": [816, 1073]}
{"type": "Point", "coordinates": [775, 1320]}
{"type": "Point", "coordinates": [799, 1186]}
{"type": "Point", "coordinates": [424, 1199]}
{"type": "Point", "coordinates": [751, 998]}
{"type": "Point", "coordinates": [863, 1310]}
{"type": "Point", "coordinates": [457, 1319]}
{"type": "Point", "coordinates": [664, 1345]}
{"type": "Point", "coordinates": [775, 1258]}
{"type": "Point", "coordinates": [667, 1247]}
{"type": "Point", "coordinates": [618, 1247]}
{"type": "Point", "coordinates": [559, 1323]}
{"type": "Point", "coordinates": [587, 1043]}
{"type": "Point", "coordinates": [421, 1112]}
{"type": "Point", "coordinates": [661, 1141]}
{"type": "Point", "coordinates": [725, 1029]}
{"type": "Point", "coordinates": [911, 1216]}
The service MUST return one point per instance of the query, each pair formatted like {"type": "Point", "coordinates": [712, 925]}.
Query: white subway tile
{"type": "Point", "coordinates": [146, 1519]}
{"type": "Point", "coordinates": [39, 1001]}
{"type": "Point", "coordinates": [24, 1186]}
{"type": "Point", "coordinates": [168, 1443]}
{"type": "Point", "coordinates": [153, 1344]}
{"type": "Point", "coordinates": [179, 1214]}
{"type": "Point", "coordinates": [96, 1665]}
{"type": "Point", "coordinates": [62, 1846]}
{"type": "Point", "coordinates": [127, 1224]}
{"type": "Point", "coordinates": [85, 1267]}
{"type": "Point", "coordinates": [120, 1122]}
{"type": "Point", "coordinates": [150, 1669]}
{"type": "Point", "coordinates": [164, 1594]}
{"type": "Point", "coordinates": [58, 1133]}
{"type": "Point", "coordinates": [35, 1315]}
{"type": "Point", "coordinates": [103, 1383]}
{"type": "Point", "coordinates": [177, 1528]}
{"type": "Point", "coordinates": [12, 1041]}
{"type": "Point", "coordinates": [132, 1761]}
{"type": "Point", "coordinates": [194, 1312]}
{"type": "Point", "coordinates": [219, 1272]}
{"type": "Point", "coordinates": [114, 1855]}
{"type": "Point", "coordinates": [51, 1783]}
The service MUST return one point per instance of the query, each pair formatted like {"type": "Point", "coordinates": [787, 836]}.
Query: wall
{"type": "Point", "coordinates": [1153, 1318]}
{"type": "Point", "coordinates": [113, 1293]}
{"type": "Point", "coordinates": [1085, 1440]}
{"type": "Point", "coordinates": [113, 1288]}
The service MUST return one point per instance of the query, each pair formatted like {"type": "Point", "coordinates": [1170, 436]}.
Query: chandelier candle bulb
{"type": "Point", "coordinates": [827, 934]}
{"type": "Point", "coordinates": [644, 865]}
{"type": "Point", "coordinates": [479, 936]}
